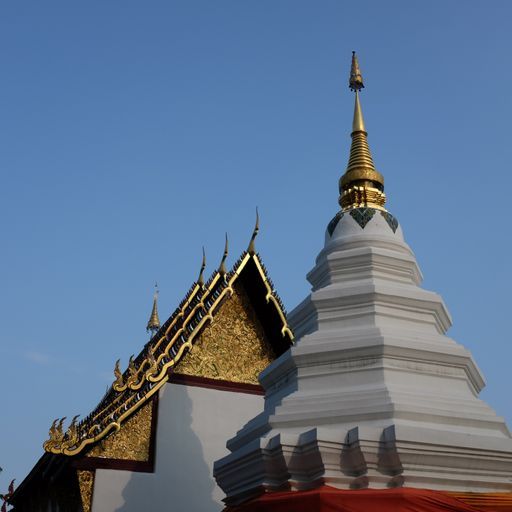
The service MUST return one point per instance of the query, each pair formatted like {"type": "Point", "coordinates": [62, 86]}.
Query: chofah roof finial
{"type": "Point", "coordinates": [252, 246]}
{"type": "Point", "coordinates": [222, 266]}
{"type": "Point", "coordinates": [200, 279]}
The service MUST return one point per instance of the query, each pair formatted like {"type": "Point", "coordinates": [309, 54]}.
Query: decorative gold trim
{"type": "Point", "coordinates": [234, 347]}
{"type": "Point", "coordinates": [133, 442]}
{"type": "Point", "coordinates": [86, 485]}
{"type": "Point", "coordinates": [362, 197]}
{"type": "Point", "coordinates": [270, 297]}
{"type": "Point", "coordinates": [156, 374]}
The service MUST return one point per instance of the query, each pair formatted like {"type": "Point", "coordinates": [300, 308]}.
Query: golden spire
{"type": "Point", "coordinates": [252, 246]}
{"type": "Point", "coordinates": [361, 185]}
{"type": "Point", "coordinates": [154, 321]}
{"type": "Point", "coordinates": [200, 279]}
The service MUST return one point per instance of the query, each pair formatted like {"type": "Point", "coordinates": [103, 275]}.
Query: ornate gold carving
{"type": "Point", "coordinates": [86, 484]}
{"type": "Point", "coordinates": [192, 320]}
{"type": "Point", "coordinates": [233, 347]}
{"type": "Point", "coordinates": [358, 197]}
{"type": "Point", "coordinates": [133, 373]}
{"type": "Point", "coordinates": [152, 364]}
{"type": "Point", "coordinates": [132, 442]}
{"type": "Point", "coordinates": [71, 436]}
{"type": "Point", "coordinates": [55, 435]}
{"type": "Point", "coordinates": [119, 382]}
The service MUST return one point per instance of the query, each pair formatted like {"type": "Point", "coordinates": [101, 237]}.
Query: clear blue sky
{"type": "Point", "coordinates": [132, 133]}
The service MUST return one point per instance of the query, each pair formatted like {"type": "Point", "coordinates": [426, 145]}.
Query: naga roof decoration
{"type": "Point", "coordinates": [149, 371]}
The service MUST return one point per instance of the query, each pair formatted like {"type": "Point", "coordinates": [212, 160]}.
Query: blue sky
{"type": "Point", "coordinates": [132, 133]}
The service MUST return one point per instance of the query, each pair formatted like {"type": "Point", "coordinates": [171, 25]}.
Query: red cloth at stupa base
{"type": "Point", "coordinates": [329, 499]}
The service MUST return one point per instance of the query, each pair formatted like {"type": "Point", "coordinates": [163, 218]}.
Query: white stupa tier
{"type": "Point", "coordinates": [373, 394]}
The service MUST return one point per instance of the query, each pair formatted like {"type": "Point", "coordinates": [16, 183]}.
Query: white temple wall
{"type": "Point", "coordinates": [193, 425]}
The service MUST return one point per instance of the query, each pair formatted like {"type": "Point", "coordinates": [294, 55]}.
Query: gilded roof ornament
{"type": "Point", "coordinates": [118, 383]}
{"type": "Point", "coordinates": [252, 246]}
{"type": "Point", "coordinates": [151, 362]}
{"type": "Point", "coordinates": [147, 373]}
{"type": "Point", "coordinates": [222, 266]}
{"type": "Point", "coordinates": [54, 437]}
{"type": "Point", "coordinates": [362, 186]}
{"type": "Point", "coordinates": [200, 279]}
{"type": "Point", "coordinates": [154, 321]}
{"type": "Point", "coordinates": [71, 436]}
{"type": "Point", "coordinates": [60, 426]}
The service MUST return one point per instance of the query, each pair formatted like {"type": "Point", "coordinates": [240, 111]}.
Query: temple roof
{"type": "Point", "coordinates": [152, 368]}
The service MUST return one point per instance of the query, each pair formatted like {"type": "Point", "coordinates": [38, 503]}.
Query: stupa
{"type": "Point", "coordinates": [374, 394]}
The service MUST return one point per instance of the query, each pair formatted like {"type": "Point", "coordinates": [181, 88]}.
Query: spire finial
{"type": "Point", "coordinates": [355, 84]}
{"type": "Point", "coordinates": [200, 279]}
{"type": "Point", "coordinates": [222, 266]}
{"type": "Point", "coordinates": [154, 321]}
{"type": "Point", "coordinates": [362, 186]}
{"type": "Point", "coordinates": [252, 246]}
{"type": "Point", "coordinates": [356, 79]}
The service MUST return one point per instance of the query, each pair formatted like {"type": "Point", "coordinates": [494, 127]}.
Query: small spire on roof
{"type": "Point", "coordinates": [252, 246]}
{"type": "Point", "coordinates": [154, 321]}
{"type": "Point", "coordinates": [222, 266]}
{"type": "Point", "coordinates": [200, 279]}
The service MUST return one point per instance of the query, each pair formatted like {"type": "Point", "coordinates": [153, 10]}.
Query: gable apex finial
{"type": "Point", "coordinates": [252, 246]}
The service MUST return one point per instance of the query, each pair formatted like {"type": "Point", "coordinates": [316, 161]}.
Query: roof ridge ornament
{"type": "Point", "coordinates": [252, 246]}
{"type": "Point", "coordinates": [200, 279]}
{"type": "Point", "coordinates": [362, 186]}
{"type": "Point", "coordinates": [222, 266]}
{"type": "Point", "coordinates": [119, 382]}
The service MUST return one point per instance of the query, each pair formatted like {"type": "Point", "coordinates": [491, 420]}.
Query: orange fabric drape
{"type": "Point", "coordinates": [486, 502]}
{"type": "Point", "coordinates": [329, 499]}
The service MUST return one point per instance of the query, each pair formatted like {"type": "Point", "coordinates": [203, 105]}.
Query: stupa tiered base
{"type": "Point", "coordinates": [374, 394]}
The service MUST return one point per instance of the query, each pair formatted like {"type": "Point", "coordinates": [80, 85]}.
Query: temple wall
{"type": "Point", "coordinates": [193, 425]}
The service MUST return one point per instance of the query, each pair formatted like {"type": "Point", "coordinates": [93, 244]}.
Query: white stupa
{"type": "Point", "coordinates": [373, 394]}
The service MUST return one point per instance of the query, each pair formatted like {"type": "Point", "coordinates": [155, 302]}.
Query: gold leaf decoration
{"type": "Point", "coordinates": [132, 442]}
{"type": "Point", "coordinates": [86, 484]}
{"type": "Point", "coordinates": [233, 347]}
